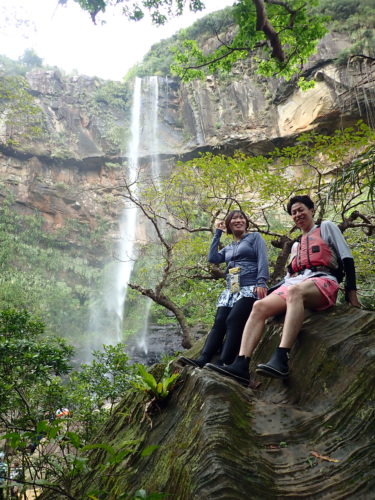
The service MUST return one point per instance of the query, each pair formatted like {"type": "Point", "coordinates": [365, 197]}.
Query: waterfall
{"type": "Point", "coordinates": [126, 253]}
{"type": "Point", "coordinates": [109, 312]}
{"type": "Point", "coordinates": [155, 162]}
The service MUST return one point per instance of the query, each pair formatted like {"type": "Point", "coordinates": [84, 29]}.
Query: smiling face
{"type": "Point", "coordinates": [237, 225]}
{"type": "Point", "coordinates": [302, 216]}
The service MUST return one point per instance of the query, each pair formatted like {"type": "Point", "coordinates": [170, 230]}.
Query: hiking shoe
{"type": "Point", "coordinates": [242, 376]}
{"type": "Point", "coordinates": [199, 362]}
{"type": "Point", "coordinates": [277, 366]}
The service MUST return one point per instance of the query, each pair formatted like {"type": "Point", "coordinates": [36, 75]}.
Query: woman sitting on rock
{"type": "Point", "coordinates": [310, 283]}
{"type": "Point", "coordinates": [246, 276]}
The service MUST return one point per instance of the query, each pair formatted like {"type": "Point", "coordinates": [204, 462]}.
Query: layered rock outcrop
{"type": "Point", "coordinates": [312, 436]}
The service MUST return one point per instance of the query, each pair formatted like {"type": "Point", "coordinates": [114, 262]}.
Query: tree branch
{"type": "Point", "coordinates": [263, 24]}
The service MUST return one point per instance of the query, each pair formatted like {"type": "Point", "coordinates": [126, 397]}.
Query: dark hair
{"type": "Point", "coordinates": [306, 200]}
{"type": "Point", "coordinates": [230, 216]}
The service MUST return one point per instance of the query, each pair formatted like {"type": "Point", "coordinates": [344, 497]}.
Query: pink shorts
{"type": "Point", "coordinates": [328, 288]}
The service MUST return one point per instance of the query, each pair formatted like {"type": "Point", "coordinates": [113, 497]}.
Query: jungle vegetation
{"type": "Point", "coordinates": [188, 47]}
{"type": "Point", "coordinates": [49, 412]}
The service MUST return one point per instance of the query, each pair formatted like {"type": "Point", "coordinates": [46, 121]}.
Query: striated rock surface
{"type": "Point", "coordinates": [311, 437]}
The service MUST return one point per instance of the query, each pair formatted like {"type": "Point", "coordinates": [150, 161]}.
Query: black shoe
{"type": "Point", "coordinates": [199, 362]}
{"type": "Point", "coordinates": [277, 366]}
{"type": "Point", "coordinates": [242, 376]}
{"type": "Point", "coordinates": [218, 362]}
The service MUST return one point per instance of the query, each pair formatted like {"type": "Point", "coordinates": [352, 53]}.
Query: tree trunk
{"type": "Point", "coordinates": [171, 306]}
{"type": "Point", "coordinates": [285, 243]}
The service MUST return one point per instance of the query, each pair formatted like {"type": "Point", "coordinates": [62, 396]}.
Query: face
{"type": "Point", "coordinates": [302, 216]}
{"type": "Point", "coordinates": [238, 223]}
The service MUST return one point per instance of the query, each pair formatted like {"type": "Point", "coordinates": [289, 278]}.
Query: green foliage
{"type": "Point", "coordinates": [28, 61]}
{"type": "Point", "coordinates": [35, 381]}
{"type": "Point", "coordinates": [357, 20]}
{"type": "Point", "coordinates": [159, 10]}
{"type": "Point", "coordinates": [342, 165]}
{"type": "Point", "coordinates": [31, 382]}
{"type": "Point", "coordinates": [298, 35]}
{"type": "Point", "coordinates": [48, 273]}
{"type": "Point", "coordinates": [297, 26]}
{"type": "Point", "coordinates": [114, 94]}
{"type": "Point", "coordinates": [28, 360]}
{"type": "Point", "coordinates": [304, 84]}
{"type": "Point", "coordinates": [103, 381]}
{"type": "Point", "coordinates": [159, 58]}
{"type": "Point", "coordinates": [21, 116]}
{"type": "Point", "coordinates": [356, 177]}
{"type": "Point", "coordinates": [158, 389]}
{"type": "Point", "coordinates": [62, 460]}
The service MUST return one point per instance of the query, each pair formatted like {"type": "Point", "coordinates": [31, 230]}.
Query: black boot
{"type": "Point", "coordinates": [199, 362]}
{"type": "Point", "coordinates": [239, 369]}
{"type": "Point", "coordinates": [277, 366]}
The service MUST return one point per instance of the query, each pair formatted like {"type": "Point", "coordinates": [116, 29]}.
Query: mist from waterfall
{"type": "Point", "coordinates": [109, 313]}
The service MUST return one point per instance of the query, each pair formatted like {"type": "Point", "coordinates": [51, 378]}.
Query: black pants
{"type": "Point", "coordinates": [229, 323]}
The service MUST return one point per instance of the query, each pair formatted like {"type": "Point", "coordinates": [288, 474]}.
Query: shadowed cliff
{"type": "Point", "coordinates": [312, 436]}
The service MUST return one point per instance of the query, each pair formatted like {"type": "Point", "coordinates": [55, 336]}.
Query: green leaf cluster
{"type": "Point", "coordinates": [298, 35]}
{"type": "Point", "coordinates": [159, 389]}
{"type": "Point", "coordinates": [159, 10]}
{"type": "Point", "coordinates": [28, 360]}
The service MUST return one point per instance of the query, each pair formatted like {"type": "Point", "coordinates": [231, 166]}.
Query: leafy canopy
{"type": "Point", "coordinates": [280, 36]}
{"type": "Point", "coordinates": [28, 359]}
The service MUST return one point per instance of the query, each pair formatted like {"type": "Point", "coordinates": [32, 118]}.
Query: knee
{"type": "Point", "coordinates": [294, 294]}
{"type": "Point", "coordinates": [260, 310]}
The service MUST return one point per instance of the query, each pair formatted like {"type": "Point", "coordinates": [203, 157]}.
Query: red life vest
{"type": "Point", "coordinates": [314, 253]}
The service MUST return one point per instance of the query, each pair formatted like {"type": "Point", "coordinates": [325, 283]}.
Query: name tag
{"type": "Point", "coordinates": [234, 278]}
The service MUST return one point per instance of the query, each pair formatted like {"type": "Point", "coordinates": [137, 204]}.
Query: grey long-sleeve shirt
{"type": "Point", "coordinates": [249, 254]}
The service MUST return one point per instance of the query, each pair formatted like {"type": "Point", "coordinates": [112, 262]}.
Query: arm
{"type": "Point", "coordinates": [350, 282]}
{"type": "Point", "coordinates": [215, 257]}
{"type": "Point", "coordinates": [336, 239]}
{"type": "Point", "coordinates": [262, 275]}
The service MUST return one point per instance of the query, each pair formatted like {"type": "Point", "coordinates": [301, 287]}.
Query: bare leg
{"type": "Point", "coordinates": [301, 296]}
{"type": "Point", "coordinates": [305, 294]}
{"type": "Point", "coordinates": [253, 331]}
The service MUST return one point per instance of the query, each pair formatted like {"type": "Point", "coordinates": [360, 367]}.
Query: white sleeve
{"type": "Point", "coordinates": [332, 234]}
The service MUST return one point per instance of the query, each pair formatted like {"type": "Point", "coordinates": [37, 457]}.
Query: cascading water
{"type": "Point", "coordinates": [155, 164]}
{"type": "Point", "coordinates": [109, 313]}
{"type": "Point", "coordinates": [126, 249]}
{"type": "Point", "coordinates": [151, 105]}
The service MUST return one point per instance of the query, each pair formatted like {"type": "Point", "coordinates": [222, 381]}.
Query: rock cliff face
{"type": "Point", "coordinates": [62, 172]}
{"type": "Point", "coordinates": [71, 169]}
{"type": "Point", "coordinates": [310, 437]}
